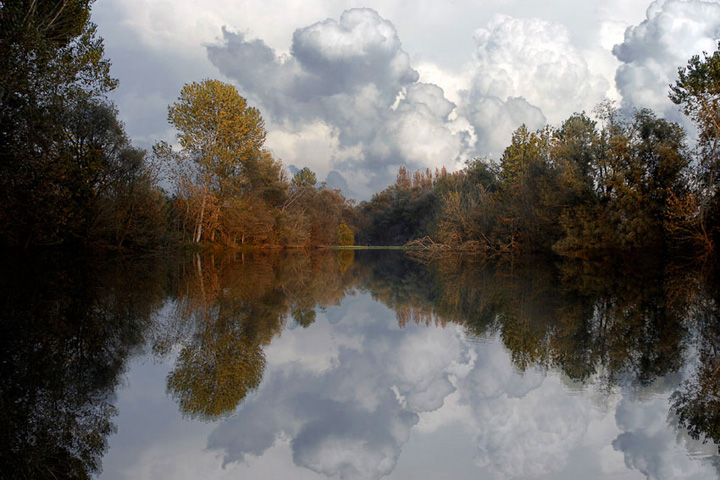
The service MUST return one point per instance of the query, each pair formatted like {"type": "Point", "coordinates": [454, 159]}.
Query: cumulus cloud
{"type": "Point", "coordinates": [535, 59]}
{"type": "Point", "coordinates": [494, 120]}
{"type": "Point", "coordinates": [526, 425]}
{"type": "Point", "coordinates": [346, 95]}
{"type": "Point", "coordinates": [652, 52]}
{"type": "Point", "coordinates": [526, 71]}
{"type": "Point", "coordinates": [348, 405]}
{"type": "Point", "coordinates": [360, 48]}
{"type": "Point", "coordinates": [353, 77]}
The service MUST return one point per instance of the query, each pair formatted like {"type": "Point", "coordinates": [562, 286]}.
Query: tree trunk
{"type": "Point", "coordinates": [198, 230]}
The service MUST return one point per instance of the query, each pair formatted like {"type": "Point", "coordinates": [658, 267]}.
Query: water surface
{"type": "Point", "coordinates": [356, 365]}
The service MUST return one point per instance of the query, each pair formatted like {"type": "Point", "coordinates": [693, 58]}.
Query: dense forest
{"type": "Point", "coordinates": [70, 176]}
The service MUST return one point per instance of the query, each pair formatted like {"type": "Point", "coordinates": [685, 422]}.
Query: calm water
{"type": "Point", "coordinates": [356, 365]}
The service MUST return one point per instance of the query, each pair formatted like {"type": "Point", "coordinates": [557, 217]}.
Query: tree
{"type": "Point", "coordinates": [346, 237]}
{"type": "Point", "coordinates": [301, 182]}
{"type": "Point", "coordinates": [697, 90]}
{"type": "Point", "coordinates": [221, 139]}
{"type": "Point", "coordinates": [50, 60]}
{"type": "Point", "coordinates": [527, 186]}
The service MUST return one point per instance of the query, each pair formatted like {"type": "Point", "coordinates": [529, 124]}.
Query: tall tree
{"type": "Point", "coordinates": [221, 139]}
{"type": "Point", "coordinates": [696, 221]}
{"type": "Point", "coordinates": [50, 58]}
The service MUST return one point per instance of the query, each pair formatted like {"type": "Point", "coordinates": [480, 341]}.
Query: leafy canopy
{"type": "Point", "coordinates": [217, 129]}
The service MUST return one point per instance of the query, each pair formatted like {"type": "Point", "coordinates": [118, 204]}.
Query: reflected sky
{"type": "Point", "coordinates": [355, 396]}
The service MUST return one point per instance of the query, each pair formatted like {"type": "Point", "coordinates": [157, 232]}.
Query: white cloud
{"type": "Point", "coordinates": [350, 415]}
{"type": "Point", "coordinates": [535, 59]}
{"type": "Point", "coordinates": [360, 92]}
{"type": "Point", "coordinates": [526, 425]}
{"type": "Point", "coordinates": [526, 71]}
{"type": "Point", "coordinates": [347, 75]}
{"type": "Point", "coordinates": [314, 145]}
{"type": "Point", "coordinates": [494, 121]}
{"type": "Point", "coordinates": [316, 350]}
{"type": "Point", "coordinates": [652, 52]}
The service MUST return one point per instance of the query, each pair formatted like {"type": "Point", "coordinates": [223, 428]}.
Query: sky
{"type": "Point", "coordinates": [355, 90]}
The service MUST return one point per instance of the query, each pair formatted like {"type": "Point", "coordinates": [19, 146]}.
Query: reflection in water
{"type": "Point", "coordinates": [697, 403]}
{"type": "Point", "coordinates": [227, 311]}
{"type": "Point", "coordinates": [69, 327]}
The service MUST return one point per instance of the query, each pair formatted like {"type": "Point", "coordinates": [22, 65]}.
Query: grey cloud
{"type": "Point", "coordinates": [652, 52]}
{"type": "Point", "coordinates": [349, 73]}
{"type": "Point", "coordinates": [335, 180]}
{"type": "Point", "coordinates": [361, 48]}
{"type": "Point", "coordinates": [263, 76]}
{"type": "Point", "coordinates": [237, 55]}
{"type": "Point", "coordinates": [526, 425]}
{"type": "Point", "coordinates": [432, 97]}
{"type": "Point", "coordinates": [350, 444]}
{"type": "Point", "coordinates": [494, 120]}
{"type": "Point", "coordinates": [334, 428]}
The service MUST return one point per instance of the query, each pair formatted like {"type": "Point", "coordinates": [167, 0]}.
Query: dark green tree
{"type": "Point", "coordinates": [50, 61]}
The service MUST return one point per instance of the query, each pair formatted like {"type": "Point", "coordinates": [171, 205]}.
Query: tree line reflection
{"type": "Point", "coordinates": [227, 309]}
{"type": "Point", "coordinates": [621, 323]}
{"type": "Point", "coordinates": [71, 324]}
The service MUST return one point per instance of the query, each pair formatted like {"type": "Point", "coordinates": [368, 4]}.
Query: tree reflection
{"type": "Point", "coordinates": [229, 308]}
{"type": "Point", "coordinates": [69, 325]}
{"type": "Point", "coordinates": [625, 322]}
{"type": "Point", "coordinates": [697, 402]}
{"type": "Point", "coordinates": [587, 319]}
{"type": "Point", "coordinates": [618, 323]}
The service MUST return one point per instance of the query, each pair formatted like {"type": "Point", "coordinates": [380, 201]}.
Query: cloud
{"type": "Point", "coordinates": [651, 53]}
{"type": "Point", "coordinates": [359, 49]}
{"type": "Point", "coordinates": [535, 59]}
{"type": "Point", "coordinates": [350, 444]}
{"type": "Point", "coordinates": [494, 120]}
{"type": "Point", "coordinates": [526, 71]}
{"type": "Point", "coordinates": [345, 94]}
{"type": "Point", "coordinates": [526, 425]}
{"type": "Point", "coordinates": [352, 79]}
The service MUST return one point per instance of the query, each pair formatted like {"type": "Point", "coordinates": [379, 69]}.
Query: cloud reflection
{"type": "Point", "coordinates": [351, 420]}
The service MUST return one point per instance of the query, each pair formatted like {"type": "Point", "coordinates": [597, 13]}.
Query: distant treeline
{"type": "Point", "coordinates": [70, 176]}
{"type": "Point", "coordinates": [588, 188]}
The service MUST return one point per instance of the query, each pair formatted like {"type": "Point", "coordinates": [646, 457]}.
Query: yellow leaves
{"type": "Point", "coordinates": [215, 124]}
{"type": "Point", "coordinates": [346, 237]}
{"type": "Point", "coordinates": [221, 139]}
